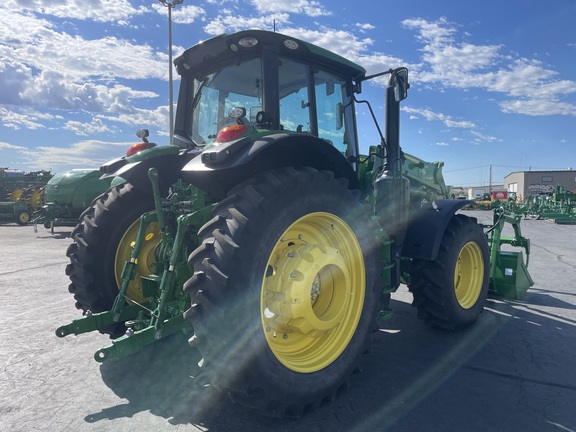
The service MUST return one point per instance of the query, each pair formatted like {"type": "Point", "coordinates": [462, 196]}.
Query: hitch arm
{"type": "Point", "coordinates": [133, 342]}
{"type": "Point", "coordinates": [92, 322]}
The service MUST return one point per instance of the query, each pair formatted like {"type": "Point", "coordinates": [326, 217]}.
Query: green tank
{"type": "Point", "coordinates": [67, 194]}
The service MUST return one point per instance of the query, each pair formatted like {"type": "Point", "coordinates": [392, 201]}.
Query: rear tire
{"type": "Point", "coordinates": [102, 243]}
{"type": "Point", "coordinates": [284, 301]}
{"type": "Point", "coordinates": [450, 291]}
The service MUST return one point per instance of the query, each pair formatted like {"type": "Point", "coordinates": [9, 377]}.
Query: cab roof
{"type": "Point", "coordinates": [220, 49]}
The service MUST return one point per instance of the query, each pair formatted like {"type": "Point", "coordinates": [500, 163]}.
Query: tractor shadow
{"type": "Point", "coordinates": [165, 380]}
{"type": "Point", "coordinates": [409, 376]}
{"type": "Point", "coordinates": [45, 233]}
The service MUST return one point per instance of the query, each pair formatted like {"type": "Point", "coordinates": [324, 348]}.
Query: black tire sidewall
{"type": "Point", "coordinates": [111, 214]}
{"type": "Point", "coordinates": [432, 283]}
{"type": "Point", "coordinates": [469, 232]}
{"type": "Point", "coordinates": [257, 242]}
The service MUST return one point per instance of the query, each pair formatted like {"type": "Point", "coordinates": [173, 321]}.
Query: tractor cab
{"type": "Point", "coordinates": [256, 83]}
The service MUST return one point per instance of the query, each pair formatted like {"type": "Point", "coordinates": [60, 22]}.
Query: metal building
{"type": "Point", "coordinates": [526, 183]}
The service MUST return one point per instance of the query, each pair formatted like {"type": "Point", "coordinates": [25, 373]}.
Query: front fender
{"type": "Point", "coordinates": [222, 167]}
{"type": "Point", "coordinates": [426, 229]}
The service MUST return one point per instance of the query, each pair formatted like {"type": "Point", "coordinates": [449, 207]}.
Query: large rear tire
{"type": "Point", "coordinates": [284, 301]}
{"type": "Point", "coordinates": [103, 242]}
{"type": "Point", "coordinates": [450, 291]}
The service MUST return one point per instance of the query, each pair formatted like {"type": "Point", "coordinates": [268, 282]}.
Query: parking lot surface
{"type": "Point", "coordinates": [515, 370]}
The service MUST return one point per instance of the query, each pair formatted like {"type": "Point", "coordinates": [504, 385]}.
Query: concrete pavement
{"type": "Point", "coordinates": [513, 371]}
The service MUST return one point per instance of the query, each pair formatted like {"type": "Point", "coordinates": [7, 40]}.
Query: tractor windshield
{"type": "Point", "coordinates": [237, 85]}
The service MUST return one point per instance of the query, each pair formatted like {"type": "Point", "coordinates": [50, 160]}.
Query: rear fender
{"type": "Point", "coordinates": [426, 229]}
{"type": "Point", "coordinates": [222, 167]}
{"type": "Point", "coordinates": [169, 163]}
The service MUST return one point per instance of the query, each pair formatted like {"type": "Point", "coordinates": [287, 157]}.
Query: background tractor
{"type": "Point", "coordinates": [17, 211]}
{"type": "Point", "coordinates": [265, 234]}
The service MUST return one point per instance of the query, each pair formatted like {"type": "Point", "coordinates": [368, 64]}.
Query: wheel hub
{"type": "Point", "coordinates": [312, 292]}
{"type": "Point", "coordinates": [144, 262]}
{"type": "Point", "coordinates": [468, 275]}
{"type": "Point", "coordinates": [309, 291]}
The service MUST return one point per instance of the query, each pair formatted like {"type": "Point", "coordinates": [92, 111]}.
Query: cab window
{"type": "Point", "coordinates": [293, 88]}
{"type": "Point", "coordinates": [331, 103]}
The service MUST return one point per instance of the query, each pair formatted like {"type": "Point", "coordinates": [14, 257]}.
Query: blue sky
{"type": "Point", "coordinates": [493, 82]}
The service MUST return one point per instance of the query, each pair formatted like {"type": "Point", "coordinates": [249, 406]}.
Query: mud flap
{"type": "Point", "coordinates": [510, 277]}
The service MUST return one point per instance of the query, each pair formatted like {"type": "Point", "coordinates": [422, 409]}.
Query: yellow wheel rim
{"type": "Point", "coordinates": [313, 292]}
{"type": "Point", "coordinates": [23, 217]}
{"type": "Point", "coordinates": [144, 262]}
{"type": "Point", "coordinates": [469, 275]}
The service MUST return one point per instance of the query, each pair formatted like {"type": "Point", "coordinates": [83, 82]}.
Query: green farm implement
{"type": "Point", "coordinates": [21, 193]}
{"type": "Point", "coordinates": [67, 195]}
{"type": "Point", "coordinates": [559, 207]}
{"type": "Point", "coordinates": [264, 234]}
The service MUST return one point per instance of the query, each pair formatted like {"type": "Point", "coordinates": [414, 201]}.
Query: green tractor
{"type": "Point", "coordinates": [265, 235]}
{"type": "Point", "coordinates": [15, 211]}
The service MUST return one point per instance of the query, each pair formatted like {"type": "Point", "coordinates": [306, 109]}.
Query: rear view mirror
{"type": "Point", "coordinates": [400, 82]}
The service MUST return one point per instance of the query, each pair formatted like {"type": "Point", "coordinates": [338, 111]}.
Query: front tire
{"type": "Point", "coordinates": [450, 291]}
{"type": "Point", "coordinates": [284, 301]}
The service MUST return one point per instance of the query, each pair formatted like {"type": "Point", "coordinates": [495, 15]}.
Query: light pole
{"type": "Point", "coordinates": [170, 6]}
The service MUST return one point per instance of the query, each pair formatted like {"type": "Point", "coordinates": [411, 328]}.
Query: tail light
{"type": "Point", "coordinates": [136, 148]}
{"type": "Point", "coordinates": [230, 133]}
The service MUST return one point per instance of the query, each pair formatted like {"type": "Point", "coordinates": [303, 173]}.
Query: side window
{"type": "Point", "coordinates": [208, 116]}
{"type": "Point", "coordinates": [294, 96]}
{"type": "Point", "coordinates": [330, 103]}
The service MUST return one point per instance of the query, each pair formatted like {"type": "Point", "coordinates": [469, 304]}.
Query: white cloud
{"type": "Point", "coordinates": [432, 116]}
{"type": "Point", "coordinates": [48, 69]}
{"type": "Point", "coordinates": [349, 46]}
{"type": "Point", "coordinates": [448, 121]}
{"type": "Point", "coordinates": [5, 145]}
{"type": "Point", "coordinates": [53, 90]}
{"type": "Point", "coordinates": [181, 14]}
{"type": "Point", "coordinates": [14, 120]}
{"type": "Point", "coordinates": [87, 129]}
{"type": "Point", "coordinates": [310, 8]}
{"type": "Point", "coordinates": [230, 23]}
{"type": "Point", "coordinates": [14, 78]}
{"type": "Point", "coordinates": [364, 27]}
{"type": "Point", "coordinates": [82, 154]}
{"type": "Point", "coordinates": [483, 138]}
{"type": "Point", "coordinates": [95, 10]}
{"type": "Point", "coordinates": [534, 89]}
{"type": "Point", "coordinates": [538, 107]}
{"type": "Point", "coordinates": [154, 118]}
